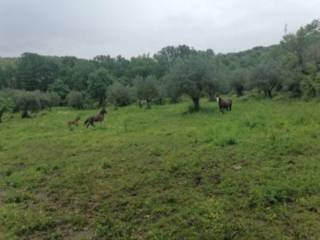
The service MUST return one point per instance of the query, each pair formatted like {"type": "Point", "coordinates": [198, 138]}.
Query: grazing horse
{"type": "Point", "coordinates": [99, 117]}
{"type": "Point", "coordinates": [224, 104]}
{"type": "Point", "coordinates": [74, 122]}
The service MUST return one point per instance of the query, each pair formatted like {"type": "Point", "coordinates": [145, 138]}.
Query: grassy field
{"type": "Point", "coordinates": [253, 173]}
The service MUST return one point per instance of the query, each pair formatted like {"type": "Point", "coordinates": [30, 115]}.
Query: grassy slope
{"type": "Point", "coordinates": [253, 173]}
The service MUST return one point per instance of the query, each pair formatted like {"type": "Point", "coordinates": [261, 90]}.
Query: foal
{"type": "Point", "coordinates": [224, 104]}
{"type": "Point", "coordinates": [74, 122]}
{"type": "Point", "coordinates": [99, 117]}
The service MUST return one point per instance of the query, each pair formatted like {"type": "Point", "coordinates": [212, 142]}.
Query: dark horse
{"type": "Point", "coordinates": [224, 104]}
{"type": "Point", "coordinates": [99, 117]}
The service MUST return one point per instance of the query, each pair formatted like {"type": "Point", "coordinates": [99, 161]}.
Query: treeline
{"type": "Point", "coordinates": [293, 67]}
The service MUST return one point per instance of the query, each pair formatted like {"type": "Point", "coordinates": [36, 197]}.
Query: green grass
{"type": "Point", "coordinates": [253, 173]}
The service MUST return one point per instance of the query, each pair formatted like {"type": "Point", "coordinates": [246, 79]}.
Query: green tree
{"type": "Point", "coordinates": [239, 79]}
{"type": "Point", "coordinates": [25, 102]}
{"type": "Point", "coordinates": [141, 66]}
{"type": "Point", "coordinates": [98, 83]}
{"type": "Point", "coordinates": [75, 99]}
{"type": "Point", "coordinates": [60, 88]}
{"type": "Point", "coordinates": [5, 104]}
{"type": "Point", "coordinates": [119, 95]}
{"type": "Point", "coordinates": [146, 89]}
{"type": "Point", "coordinates": [168, 55]}
{"type": "Point", "coordinates": [117, 66]}
{"type": "Point", "coordinates": [267, 77]}
{"type": "Point", "coordinates": [3, 83]}
{"type": "Point", "coordinates": [191, 76]}
{"type": "Point", "coordinates": [36, 72]}
{"type": "Point", "coordinates": [297, 43]}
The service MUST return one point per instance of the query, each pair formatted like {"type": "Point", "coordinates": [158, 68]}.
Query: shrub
{"type": "Point", "coordinates": [44, 99]}
{"type": "Point", "coordinates": [162, 94]}
{"type": "Point", "coordinates": [119, 95]}
{"type": "Point", "coordinates": [55, 99]}
{"type": "Point", "coordinates": [33, 101]}
{"type": "Point", "coordinates": [146, 89]}
{"type": "Point", "coordinates": [76, 100]}
{"type": "Point", "coordinates": [25, 102]}
{"type": "Point", "coordinates": [311, 86]}
{"type": "Point", "coordinates": [5, 104]}
{"type": "Point", "coordinates": [60, 88]}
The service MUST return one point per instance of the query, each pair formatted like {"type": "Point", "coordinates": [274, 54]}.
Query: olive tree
{"type": "Point", "coordinates": [267, 76]}
{"type": "Point", "coordinates": [5, 104]}
{"type": "Point", "coordinates": [98, 83]}
{"type": "Point", "coordinates": [119, 95]}
{"type": "Point", "coordinates": [239, 79]}
{"type": "Point", "coordinates": [146, 89]}
{"type": "Point", "coordinates": [191, 76]}
{"type": "Point", "coordinates": [75, 99]}
{"type": "Point", "coordinates": [25, 102]}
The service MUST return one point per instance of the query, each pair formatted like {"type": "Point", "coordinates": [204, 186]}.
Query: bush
{"type": "Point", "coordinates": [5, 104]}
{"type": "Point", "coordinates": [55, 99]}
{"type": "Point", "coordinates": [119, 95]}
{"type": "Point", "coordinates": [162, 94]}
{"type": "Point", "coordinates": [60, 88]}
{"type": "Point", "coordinates": [25, 102]}
{"type": "Point", "coordinates": [44, 99]}
{"type": "Point", "coordinates": [76, 99]}
{"type": "Point", "coordinates": [311, 86]}
{"type": "Point", "coordinates": [147, 89]}
{"type": "Point", "coordinates": [29, 102]}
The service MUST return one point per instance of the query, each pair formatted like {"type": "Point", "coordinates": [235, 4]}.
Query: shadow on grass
{"type": "Point", "coordinates": [202, 111]}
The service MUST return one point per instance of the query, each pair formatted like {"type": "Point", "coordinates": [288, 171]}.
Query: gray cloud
{"type": "Point", "coordinates": [86, 28]}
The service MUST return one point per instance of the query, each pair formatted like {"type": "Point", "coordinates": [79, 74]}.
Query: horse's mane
{"type": "Point", "coordinates": [102, 111]}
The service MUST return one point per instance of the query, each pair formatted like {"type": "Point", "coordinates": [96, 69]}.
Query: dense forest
{"type": "Point", "coordinates": [33, 82]}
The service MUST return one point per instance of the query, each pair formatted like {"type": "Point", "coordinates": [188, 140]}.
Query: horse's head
{"type": "Point", "coordinates": [103, 111]}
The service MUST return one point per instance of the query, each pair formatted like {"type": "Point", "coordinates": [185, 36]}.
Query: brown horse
{"type": "Point", "coordinates": [224, 104]}
{"type": "Point", "coordinates": [99, 117]}
{"type": "Point", "coordinates": [74, 122]}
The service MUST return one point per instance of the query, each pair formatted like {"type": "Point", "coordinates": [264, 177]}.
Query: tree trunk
{"type": "Point", "coordinates": [239, 91]}
{"type": "Point", "coordinates": [1, 114]}
{"type": "Point", "coordinates": [148, 103]}
{"type": "Point", "coordinates": [101, 102]}
{"type": "Point", "coordinates": [25, 114]}
{"type": "Point", "coordinates": [268, 93]}
{"type": "Point", "coordinates": [174, 100]}
{"type": "Point", "coordinates": [196, 104]}
{"type": "Point", "coordinates": [211, 97]}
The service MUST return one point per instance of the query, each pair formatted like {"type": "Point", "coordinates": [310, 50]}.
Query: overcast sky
{"type": "Point", "coordinates": [86, 28]}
